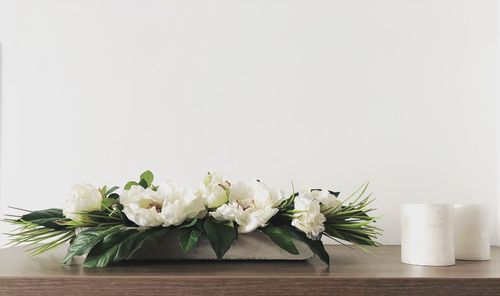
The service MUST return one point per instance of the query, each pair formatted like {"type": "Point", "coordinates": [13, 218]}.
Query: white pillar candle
{"type": "Point", "coordinates": [427, 234]}
{"type": "Point", "coordinates": [472, 236]}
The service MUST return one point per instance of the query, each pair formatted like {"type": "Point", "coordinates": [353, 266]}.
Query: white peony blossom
{"type": "Point", "coordinates": [309, 220]}
{"type": "Point", "coordinates": [84, 197]}
{"type": "Point", "coordinates": [143, 206]}
{"type": "Point", "coordinates": [180, 204]}
{"type": "Point", "coordinates": [168, 205]}
{"type": "Point", "coordinates": [251, 205]}
{"type": "Point", "coordinates": [326, 199]}
{"type": "Point", "coordinates": [212, 192]}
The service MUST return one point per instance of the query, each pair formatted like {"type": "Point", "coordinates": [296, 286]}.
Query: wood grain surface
{"type": "Point", "coordinates": [351, 273]}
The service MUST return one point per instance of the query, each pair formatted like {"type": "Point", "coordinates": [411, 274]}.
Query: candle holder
{"type": "Point", "coordinates": [472, 236]}
{"type": "Point", "coordinates": [427, 236]}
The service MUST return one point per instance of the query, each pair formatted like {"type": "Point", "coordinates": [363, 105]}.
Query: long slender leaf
{"type": "Point", "coordinates": [45, 218]}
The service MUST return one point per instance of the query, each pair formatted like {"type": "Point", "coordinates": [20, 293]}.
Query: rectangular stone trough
{"type": "Point", "coordinates": [249, 246]}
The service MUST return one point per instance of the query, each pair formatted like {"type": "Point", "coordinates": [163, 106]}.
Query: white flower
{"type": "Point", "coordinates": [143, 206]}
{"type": "Point", "coordinates": [311, 203]}
{"type": "Point", "coordinates": [327, 200]}
{"type": "Point", "coordinates": [251, 205]}
{"type": "Point", "coordinates": [168, 205]}
{"type": "Point", "coordinates": [84, 197]}
{"type": "Point", "coordinates": [309, 219]}
{"type": "Point", "coordinates": [180, 204]}
{"type": "Point", "coordinates": [212, 192]}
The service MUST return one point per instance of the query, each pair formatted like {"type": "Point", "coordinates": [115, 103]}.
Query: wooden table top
{"type": "Point", "coordinates": [351, 273]}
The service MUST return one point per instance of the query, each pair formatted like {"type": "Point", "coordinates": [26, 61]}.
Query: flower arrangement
{"type": "Point", "coordinates": [108, 226]}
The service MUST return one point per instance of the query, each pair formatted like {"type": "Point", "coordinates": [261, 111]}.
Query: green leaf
{"type": "Point", "coordinates": [114, 196]}
{"type": "Point", "coordinates": [189, 224]}
{"type": "Point", "coordinates": [130, 184]}
{"type": "Point", "coordinates": [316, 246]}
{"type": "Point", "coordinates": [103, 190]}
{"type": "Point", "coordinates": [145, 180]}
{"type": "Point", "coordinates": [351, 222]}
{"type": "Point", "coordinates": [220, 235]}
{"type": "Point", "coordinates": [281, 237]}
{"type": "Point", "coordinates": [143, 183]}
{"type": "Point", "coordinates": [335, 193]}
{"type": "Point", "coordinates": [188, 237]}
{"type": "Point", "coordinates": [85, 241]}
{"type": "Point", "coordinates": [47, 218]}
{"type": "Point", "coordinates": [121, 245]}
{"type": "Point", "coordinates": [355, 236]}
{"type": "Point", "coordinates": [148, 177]}
{"type": "Point", "coordinates": [111, 190]}
{"type": "Point", "coordinates": [108, 202]}
{"type": "Point", "coordinates": [112, 248]}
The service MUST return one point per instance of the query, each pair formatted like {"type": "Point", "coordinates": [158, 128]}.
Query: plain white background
{"type": "Point", "coordinates": [326, 93]}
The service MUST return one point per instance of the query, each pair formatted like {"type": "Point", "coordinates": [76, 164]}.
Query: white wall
{"type": "Point", "coordinates": [327, 93]}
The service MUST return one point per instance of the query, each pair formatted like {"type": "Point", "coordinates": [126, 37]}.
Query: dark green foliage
{"type": "Point", "coordinates": [85, 241]}
{"type": "Point", "coordinates": [221, 235]}
{"type": "Point", "coordinates": [316, 246]}
{"type": "Point", "coordinates": [120, 245]}
{"type": "Point", "coordinates": [281, 236]}
{"type": "Point", "coordinates": [46, 218]}
{"type": "Point", "coordinates": [188, 237]}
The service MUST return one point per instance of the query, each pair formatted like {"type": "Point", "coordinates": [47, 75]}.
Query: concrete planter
{"type": "Point", "coordinates": [250, 246]}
